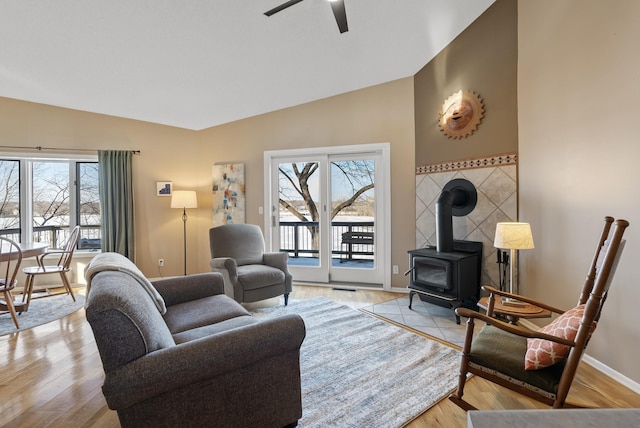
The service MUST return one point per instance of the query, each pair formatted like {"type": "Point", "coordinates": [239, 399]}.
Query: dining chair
{"type": "Point", "coordinates": [11, 257]}
{"type": "Point", "coordinates": [61, 267]}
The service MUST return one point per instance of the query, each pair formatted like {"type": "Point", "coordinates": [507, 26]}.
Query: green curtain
{"type": "Point", "coordinates": [116, 200]}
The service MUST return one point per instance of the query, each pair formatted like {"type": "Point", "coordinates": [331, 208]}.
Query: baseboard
{"type": "Point", "coordinates": [618, 377]}
{"type": "Point", "coordinates": [602, 368]}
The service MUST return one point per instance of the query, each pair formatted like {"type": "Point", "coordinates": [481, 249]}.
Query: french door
{"type": "Point", "coordinates": [326, 208]}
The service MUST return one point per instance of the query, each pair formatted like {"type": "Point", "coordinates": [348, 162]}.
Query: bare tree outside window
{"type": "Point", "coordinates": [352, 185]}
{"type": "Point", "coordinates": [10, 195]}
{"type": "Point", "coordinates": [51, 194]}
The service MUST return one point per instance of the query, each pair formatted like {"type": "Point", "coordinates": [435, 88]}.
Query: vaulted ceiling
{"type": "Point", "coordinates": [200, 63]}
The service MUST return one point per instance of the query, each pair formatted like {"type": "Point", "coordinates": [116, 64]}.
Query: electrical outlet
{"type": "Point", "coordinates": [160, 262]}
{"type": "Point", "coordinates": [395, 269]}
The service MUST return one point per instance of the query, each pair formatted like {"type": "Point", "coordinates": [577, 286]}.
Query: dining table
{"type": "Point", "coordinates": [29, 249]}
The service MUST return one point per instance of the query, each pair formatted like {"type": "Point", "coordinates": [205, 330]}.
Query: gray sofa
{"type": "Point", "coordinates": [205, 361]}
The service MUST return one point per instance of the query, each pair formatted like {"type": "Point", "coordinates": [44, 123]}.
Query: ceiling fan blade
{"type": "Point", "coordinates": [341, 15]}
{"type": "Point", "coordinates": [283, 6]}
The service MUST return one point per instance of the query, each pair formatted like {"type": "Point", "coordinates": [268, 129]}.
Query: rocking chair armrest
{"type": "Point", "coordinates": [489, 289]}
{"type": "Point", "coordinates": [512, 328]}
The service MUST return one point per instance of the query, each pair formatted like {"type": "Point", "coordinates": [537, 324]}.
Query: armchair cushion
{"type": "Point", "coordinates": [544, 353]}
{"type": "Point", "coordinates": [201, 313]}
{"type": "Point", "coordinates": [259, 276]}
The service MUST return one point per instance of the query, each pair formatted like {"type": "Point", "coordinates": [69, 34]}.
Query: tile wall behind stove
{"type": "Point", "coordinates": [495, 179]}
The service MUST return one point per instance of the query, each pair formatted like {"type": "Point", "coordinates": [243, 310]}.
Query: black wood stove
{"type": "Point", "coordinates": [448, 274]}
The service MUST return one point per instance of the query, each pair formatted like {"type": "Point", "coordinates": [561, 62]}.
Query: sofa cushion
{"type": "Point", "coordinates": [202, 312]}
{"type": "Point", "coordinates": [258, 276]}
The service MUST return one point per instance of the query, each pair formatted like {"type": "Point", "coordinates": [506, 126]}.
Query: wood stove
{"type": "Point", "coordinates": [449, 273]}
{"type": "Point", "coordinates": [450, 279]}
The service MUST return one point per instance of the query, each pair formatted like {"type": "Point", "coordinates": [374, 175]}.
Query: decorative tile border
{"type": "Point", "coordinates": [483, 162]}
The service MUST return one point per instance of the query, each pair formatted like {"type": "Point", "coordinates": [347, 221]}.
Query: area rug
{"type": "Point", "coordinates": [42, 311]}
{"type": "Point", "coordinates": [359, 371]}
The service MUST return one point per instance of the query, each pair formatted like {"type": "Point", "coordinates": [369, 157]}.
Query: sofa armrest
{"type": "Point", "coordinates": [182, 289]}
{"type": "Point", "coordinates": [276, 260]}
{"type": "Point", "coordinates": [182, 365]}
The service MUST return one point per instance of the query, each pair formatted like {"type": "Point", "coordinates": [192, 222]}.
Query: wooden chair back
{"type": "Point", "coordinates": [597, 286]}
{"type": "Point", "coordinates": [11, 255]}
{"type": "Point", "coordinates": [69, 247]}
{"type": "Point", "coordinates": [11, 260]}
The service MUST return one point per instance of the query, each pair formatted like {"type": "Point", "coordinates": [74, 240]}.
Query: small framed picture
{"type": "Point", "coordinates": [163, 188]}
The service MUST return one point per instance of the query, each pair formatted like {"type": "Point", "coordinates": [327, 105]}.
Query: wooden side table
{"type": "Point", "coordinates": [514, 313]}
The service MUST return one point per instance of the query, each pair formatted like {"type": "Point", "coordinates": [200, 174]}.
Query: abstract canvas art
{"type": "Point", "coordinates": [228, 193]}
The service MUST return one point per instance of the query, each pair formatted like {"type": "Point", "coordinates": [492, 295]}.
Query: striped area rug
{"type": "Point", "coordinates": [359, 371]}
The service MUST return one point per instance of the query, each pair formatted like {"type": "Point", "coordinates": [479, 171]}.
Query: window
{"type": "Point", "coordinates": [42, 199]}
{"type": "Point", "coordinates": [10, 198]}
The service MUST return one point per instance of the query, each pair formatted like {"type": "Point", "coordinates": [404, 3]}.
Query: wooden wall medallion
{"type": "Point", "coordinates": [461, 114]}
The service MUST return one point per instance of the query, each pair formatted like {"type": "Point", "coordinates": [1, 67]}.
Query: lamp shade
{"type": "Point", "coordinates": [513, 236]}
{"type": "Point", "coordinates": [184, 199]}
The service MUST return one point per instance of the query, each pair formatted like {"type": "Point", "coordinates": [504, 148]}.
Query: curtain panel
{"type": "Point", "coordinates": [116, 200]}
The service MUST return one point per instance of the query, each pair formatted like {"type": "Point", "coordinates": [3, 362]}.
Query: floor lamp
{"type": "Point", "coordinates": [513, 236]}
{"type": "Point", "coordinates": [184, 199]}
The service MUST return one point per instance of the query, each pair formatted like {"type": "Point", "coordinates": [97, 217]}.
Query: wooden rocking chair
{"type": "Point", "coordinates": [499, 350]}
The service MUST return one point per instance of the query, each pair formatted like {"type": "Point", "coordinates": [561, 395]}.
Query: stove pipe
{"type": "Point", "coordinates": [444, 222]}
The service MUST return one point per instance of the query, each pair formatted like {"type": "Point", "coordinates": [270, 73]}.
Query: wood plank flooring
{"type": "Point", "coordinates": [51, 375]}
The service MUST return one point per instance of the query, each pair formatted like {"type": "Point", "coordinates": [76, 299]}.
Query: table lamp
{"type": "Point", "coordinates": [184, 199]}
{"type": "Point", "coordinates": [513, 236]}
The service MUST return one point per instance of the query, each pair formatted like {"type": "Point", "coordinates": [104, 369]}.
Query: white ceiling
{"type": "Point", "coordinates": [200, 63]}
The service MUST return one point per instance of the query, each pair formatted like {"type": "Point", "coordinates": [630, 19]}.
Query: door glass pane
{"type": "Point", "coordinates": [50, 202]}
{"type": "Point", "coordinates": [10, 199]}
{"type": "Point", "coordinates": [299, 210]}
{"type": "Point", "coordinates": [353, 213]}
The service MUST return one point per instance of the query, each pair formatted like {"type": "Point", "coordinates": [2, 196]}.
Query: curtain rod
{"type": "Point", "coordinates": [40, 148]}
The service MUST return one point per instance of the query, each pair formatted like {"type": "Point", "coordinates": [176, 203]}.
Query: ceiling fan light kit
{"type": "Point", "coordinates": [339, 12]}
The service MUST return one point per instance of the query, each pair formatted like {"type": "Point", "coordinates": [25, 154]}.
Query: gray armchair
{"type": "Point", "coordinates": [250, 274]}
{"type": "Point", "coordinates": [179, 353]}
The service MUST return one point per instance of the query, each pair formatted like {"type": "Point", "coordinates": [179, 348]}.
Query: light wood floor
{"type": "Point", "coordinates": [51, 376]}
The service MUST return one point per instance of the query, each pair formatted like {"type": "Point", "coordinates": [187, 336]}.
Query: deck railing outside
{"type": "Point", "coordinates": [296, 239]}
{"type": "Point", "coordinates": [56, 236]}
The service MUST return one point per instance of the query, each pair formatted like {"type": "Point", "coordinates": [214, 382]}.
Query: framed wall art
{"type": "Point", "coordinates": [163, 188]}
{"type": "Point", "coordinates": [228, 189]}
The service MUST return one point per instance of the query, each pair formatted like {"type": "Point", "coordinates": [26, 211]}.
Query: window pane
{"type": "Point", "coordinates": [50, 201]}
{"type": "Point", "coordinates": [89, 205]}
{"type": "Point", "coordinates": [10, 199]}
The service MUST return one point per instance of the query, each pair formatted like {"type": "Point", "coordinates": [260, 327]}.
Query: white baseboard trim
{"type": "Point", "coordinates": [617, 376]}
{"type": "Point", "coordinates": [602, 368]}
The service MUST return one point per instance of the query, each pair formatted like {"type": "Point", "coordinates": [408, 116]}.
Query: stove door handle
{"type": "Point", "coordinates": [409, 271]}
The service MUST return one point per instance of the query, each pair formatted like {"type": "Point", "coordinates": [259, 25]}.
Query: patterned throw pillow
{"type": "Point", "coordinates": [544, 353]}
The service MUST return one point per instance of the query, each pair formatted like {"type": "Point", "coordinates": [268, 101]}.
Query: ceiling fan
{"type": "Point", "coordinates": [338, 11]}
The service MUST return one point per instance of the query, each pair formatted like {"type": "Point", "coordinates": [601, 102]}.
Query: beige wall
{"type": "Point", "coordinates": [382, 113]}
{"type": "Point", "coordinates": [164, 153]}
{"type": "Point", "coordinates": [482, 59]}
{"type": "Point", "coordinates": [578, 88]}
